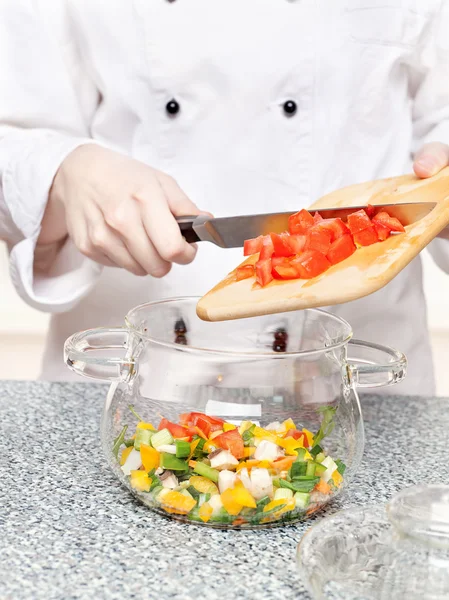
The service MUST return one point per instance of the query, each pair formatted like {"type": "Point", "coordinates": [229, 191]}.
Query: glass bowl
{"type": "Point", "coordinates": [275, 398]}
{"type": "Point", "coordinates": [395, 551]}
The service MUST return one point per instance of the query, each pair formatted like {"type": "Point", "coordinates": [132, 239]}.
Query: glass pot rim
{"type": "Point", "coordinates": [343, 340]}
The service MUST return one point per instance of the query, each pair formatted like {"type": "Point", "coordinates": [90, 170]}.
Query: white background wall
{"type": "Point", "coordinates": [22, 329]}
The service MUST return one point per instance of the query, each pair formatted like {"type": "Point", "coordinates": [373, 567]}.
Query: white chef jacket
{"type": "Point", "coordinates": [369, 82]}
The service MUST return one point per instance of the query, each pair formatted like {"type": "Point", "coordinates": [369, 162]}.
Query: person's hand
{"type": "Point", "coordinates": [431, 159]}
{"type": "Point", "coordinates": [118, 212]}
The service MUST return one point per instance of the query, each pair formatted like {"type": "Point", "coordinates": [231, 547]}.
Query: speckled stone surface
{"type": "Point", "coordinates": [69, 530]}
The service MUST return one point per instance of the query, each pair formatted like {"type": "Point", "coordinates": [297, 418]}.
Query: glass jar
{"type": "Point", "coordinates": [286, 382]}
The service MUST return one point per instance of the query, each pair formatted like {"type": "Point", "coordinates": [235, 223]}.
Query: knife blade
{"type": "Point", "coordinates": [231, 232]}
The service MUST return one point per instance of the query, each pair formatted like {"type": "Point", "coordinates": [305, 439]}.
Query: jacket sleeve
{"type": "Point", "coordinates": [46, 104]}
{"type": "Point", "coordinates": [431, 103]}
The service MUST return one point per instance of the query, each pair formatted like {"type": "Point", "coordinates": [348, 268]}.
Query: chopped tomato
{"type": "Point", "coordinates": [177, 431]}
{"type": "Point", "coordinates": [280, 245]}
{"type": "Point", "coordinates": [244, 272]}
{"type": "Point", "coordinates": [203, 422]}
{"type": "Point", "coordinates": [252, 246]}
{"type": "Point", "coordinates": [296, 243]}
{"type": "Point", "coordinates": [300, 222]}
{"type": "Point", "coordinates": [232, 441]}
{"type": "Point", "coordinates": [382, 232]}
{"type": "Point", "coordinates": [391, 223]}
{"type": "Point", "coordinates": [341, 249]}
{"type": "Point", "coordinates": [366, 237]}
{"type": "Point", "coordinates": [263, 272]}
{"type": "Point", "coordinates": [297, 435]}
{"type": "Point", "coordinates": [336, 227]}
{"type": "Point", "coordinates": [267, 248]}
{"type": "Point", "coordinates": [317, 218]}
{"type": "Point", "coordinates": [311, 264]}
{"type": "Point", "coordinates": [358, 221]}
{"type": "Point", "coordinates": [286, 271]}
{"type": "Point", "coordinates": [318, 239]}
{"type": "Point", "coordinates": [370, 210]}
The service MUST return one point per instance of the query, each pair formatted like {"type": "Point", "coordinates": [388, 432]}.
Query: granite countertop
{"type": "Point", "coordinates": [70, 530]}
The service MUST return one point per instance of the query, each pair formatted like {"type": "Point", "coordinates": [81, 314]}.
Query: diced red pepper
{"type": "Point", "coordinates": [336, 227]}
{"type": "Point", "coordinates": [391, 223]}
{"type": "Point", "coordinates": [318, 239]}
{"type": "Point", "coordinates": [192, 419]}
{"type": "Point", "coordinates": [382, 232]}
{"type": "Point", "coordinates": [244, 272]}
{"type": "Point", "coordinates": [232, 441]}
{"type": "Point", "coordinates": [252, 246]}
{"type": "Point", "coordinates": [280, 245]}
{"type": "Point", "coordinates": [263, 272]}
{"type": "Point", "coordinates": [358, 221]}
{"type": "Point", "coordinates": [366, 237]}
{"type": "Point", "coordinates": [267, 248]}
{"type": "Point", "coordinates": [296, 243]}
{"type": "Point", "coordinates": [311, 264]}
{"type": "Point", "coordinates": [177, 431]}
{"type": "Point", "coordinates": [317, 218]}
{"type": "Point", "coordinates": [297, 435]}
{"type": "Point", "coordinates": [300, 222]}
{"type": "Point", "coordinates": [341, 249]}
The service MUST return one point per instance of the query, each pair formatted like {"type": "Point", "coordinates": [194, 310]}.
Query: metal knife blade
{"type": "Point", "coordinates": [231, 232]}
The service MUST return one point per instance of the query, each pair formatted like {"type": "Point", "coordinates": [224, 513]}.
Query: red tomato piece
{"type": "Point", "coordinates": [263, 272]}
{"type": "Point", "coordinates": [244, 272]}
{"type": "Point", "coordinates": [342, 248]}
{"type": "Point", "coordinates": [391, 223]}
{"type": "Point", "coordinates": [280, 245]}
{"type": "Point", "coordinates": [336, 227]}
{"type": "Point", "coordinates": [252, 246]}
{"type": "Point", "coordinates": [300, 222]}
{"type": "Point", "coordinates": [382, 232]}
{"type": "Point", "coordinates": [232, 441]}
{"type": "Point", "coordinates": [370, 210]}
{"type": "Point", "coordinates": [297, 435]}
{"type": "Point", "coordinates": [318, 239]}
{"type": "Point", "coordinates": [317, 218]}
{"type": "Point", "coordinates": [286, 271]}
{"type": "Point", "coordinates": [296, 243]}
{"type": "Point", "coordinates": [192, 419]}
{"type": "Point", "coordinates": [177, 431]}
{"type": "Point", "coordinates": [311, 264]}
{"type": "Point", "coordinates": [358, 221]}
{"type": "Point", "coordinates": [366, 237]}
{"type": "Point", "coordinates": [267, 248]}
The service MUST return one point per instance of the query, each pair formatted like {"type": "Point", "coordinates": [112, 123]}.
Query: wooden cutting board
{"type": "Point", "coordinates": [365, 272]}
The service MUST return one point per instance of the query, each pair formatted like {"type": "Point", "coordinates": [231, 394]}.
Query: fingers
{"type": "Point", "coordinates": [160, 225]}
{"type": "Point", "coordinates": [431, 159]}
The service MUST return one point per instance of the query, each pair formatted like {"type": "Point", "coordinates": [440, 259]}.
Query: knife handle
{"type": "Point", "coordinates": [186, 227]}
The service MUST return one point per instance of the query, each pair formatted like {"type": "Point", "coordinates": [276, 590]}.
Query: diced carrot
{"type": "Point", "coordinates": [192, 463]}
{"type": "Point", "coordinates": [283, 464]}
{"type": "Point", "coordinates": [323, 487]}
{"type": "Point", "coordinates": [239, 521]}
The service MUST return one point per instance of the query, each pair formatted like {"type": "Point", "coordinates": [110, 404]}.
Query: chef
{"type": "Point", "coordinates": [115, 116]}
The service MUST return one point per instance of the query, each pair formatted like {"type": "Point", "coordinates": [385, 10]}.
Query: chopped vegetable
{"type": "Point", "coordinates": [242, 475]}
{"type": "Point", "coordinates": [244, 272]}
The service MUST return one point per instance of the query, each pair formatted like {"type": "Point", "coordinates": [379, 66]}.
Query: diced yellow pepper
{"type": "Point", "coordinates": [248, 451]}
{"type": "Point", "coordinates": [203, 485]}
{"type": "Point", "coordinates": [143, 425]}
{"type": "Point", "coordinates": [309, 435]}
{"type": "Point", "coordinates": [289, 424]}
{"type": "Point", "coordinates": [205, 512]}
{"type": "Point", "coordinates": [229, 427]}
{"type": "Point", "coordinates": [244, 426]}
{"type": "Point", "coordinates": [193, 446]}
{"type": "Point", "coordinates": [264, 434]}
{"type": "Point", "coordinates": [290, 444]}
{"type": "Point", "coordinates": [229, 503]}
{"type": "Point", "coordinates": [209, 446]}
{"type": "Point", "coordinates": [150, 457]}
{"type": "Point", "coordinates": [241, 496]}
{"type": "Point", "coordinates": [337, 478]}
{"type": "Point", "coordinates": [289, 505]}
{"type": "Point", "coordinates": [178, 502]}
{"type": "Point", "coordinates": [126, 452]}
{"type": "Point", "coordinates": [140, 481]}
{"type": "Point", "coordinates": [274, 504]}
{"type": "Point", "coordinates": [264, 464]}
{"type": "Point", "coordinates": [308, 456]}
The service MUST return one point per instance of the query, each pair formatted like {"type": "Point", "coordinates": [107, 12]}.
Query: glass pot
{"type": "Point", "coordinates": [287, 382]}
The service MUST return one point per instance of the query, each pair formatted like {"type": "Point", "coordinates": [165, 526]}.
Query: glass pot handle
{"type": "Point", "coordinates": [371, 365]}
{"type": "Point", "coordinates": [88, 353]}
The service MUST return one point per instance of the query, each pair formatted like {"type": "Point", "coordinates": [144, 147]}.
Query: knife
{"type": "Point", "coordinates": [231, 232]}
